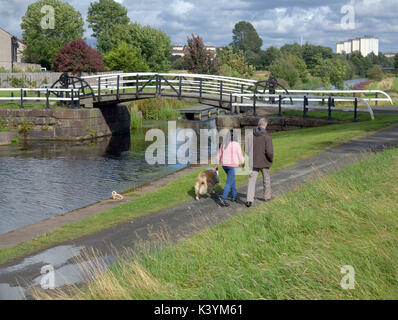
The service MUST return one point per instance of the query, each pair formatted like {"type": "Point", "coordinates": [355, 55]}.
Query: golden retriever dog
{"type": "Point", "coordinates": [206, 181]}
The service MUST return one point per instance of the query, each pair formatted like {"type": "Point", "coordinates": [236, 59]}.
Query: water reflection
{"type": "Point", "coordinates": [39, 180]}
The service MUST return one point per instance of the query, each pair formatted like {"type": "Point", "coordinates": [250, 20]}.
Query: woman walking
{"type": "Point", "coordinates": [230, 156]}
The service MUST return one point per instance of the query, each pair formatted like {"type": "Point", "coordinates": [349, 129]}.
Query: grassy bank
{"type": "Point", "coordinates": [290, 147]}
{"type": "Point", "coordinates": [290, 248]}
{"type": "Point", "coordinates": [155, 109]}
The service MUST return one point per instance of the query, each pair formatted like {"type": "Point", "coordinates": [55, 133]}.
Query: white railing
{"type": "Point", "coordinates": [226, 89]}
{"type": "Point", "coordinates": [34, 95]}
{"type": "Point", "coordinates": [257, 100]}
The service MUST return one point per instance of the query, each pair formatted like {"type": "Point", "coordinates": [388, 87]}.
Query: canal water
{"type": "Point", "coordinates": [39, 180]}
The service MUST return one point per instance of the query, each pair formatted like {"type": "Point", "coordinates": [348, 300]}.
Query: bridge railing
{"type": "Point", "coordinates": [255, 101]}
{"type": "Point", "coordinates": [368, 95]}
{"type": "Point", "coordinates": [177, 83]}
{"type": "Point", "coordinates": [47, 95]}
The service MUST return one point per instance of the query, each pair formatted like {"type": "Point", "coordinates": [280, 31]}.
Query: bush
{"type": "Point", "coordinates": [125, 58]}
{"type": "Point", "coordinates": [78, 57]}
{"type": "Point", "coordinates": [233, 64]}
{"type": "Point", "coordinates": [375, 73]}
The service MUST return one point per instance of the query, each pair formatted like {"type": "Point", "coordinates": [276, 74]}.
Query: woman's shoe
{"type": "Point", "coordinates": [224, 203]}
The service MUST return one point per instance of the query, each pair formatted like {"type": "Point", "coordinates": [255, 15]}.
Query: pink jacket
{"type": "Point", "coordinates": [231, 156]}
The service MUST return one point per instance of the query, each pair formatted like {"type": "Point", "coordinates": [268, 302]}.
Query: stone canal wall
{"type": "Point", "coordinates": [67, 124]}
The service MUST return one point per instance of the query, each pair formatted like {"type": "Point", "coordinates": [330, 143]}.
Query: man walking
{"type": "Point", "coordinates": [261, 152]}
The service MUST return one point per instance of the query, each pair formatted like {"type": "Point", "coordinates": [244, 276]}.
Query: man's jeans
{"type": "Point", "coordinates": [230, 185]}
{"type": "Point", "coordinates": [251, 188]}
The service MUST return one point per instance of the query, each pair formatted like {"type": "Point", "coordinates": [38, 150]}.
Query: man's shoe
{"type": "Point", "coordinates": [234, 199]}
{"type": "Point", "coordinates": [248, 204]}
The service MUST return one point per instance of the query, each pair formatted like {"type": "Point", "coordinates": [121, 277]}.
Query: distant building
{"type": "Point", "coordinates": [365, 45]}
{"type": "Point", "coordinates": [179, 50]}
{"type": "Point", "coordinates": [389, 55]}
{"type": "Point", "coordinates": [11, 50]}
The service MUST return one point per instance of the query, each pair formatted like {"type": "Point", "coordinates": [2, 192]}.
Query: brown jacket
{"type": "Point", "coordinates": [263, 150]}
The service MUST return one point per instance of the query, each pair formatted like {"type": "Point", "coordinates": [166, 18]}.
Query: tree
{"type": "Point", "coordinates": [293, 49]}
{"type": "Point", "coordinates": [233, 64]}
{"type": "Point", "coordinates": [155, 46]}
{"type": "Point", "coordinates": [270, 55]}
{"type": "Point", "coordinates": [246, 39]}
{"type": "Point", "coordinates": [396, 61]}
{"type": "Point", "coordinates": [198, 59]}
{"type": "Point", "coordinates": [43, 43]}
{"type": "Point", "coordinates": [311, 51]}
{"type": "Point", "coordinates": [331, 71]}
{"type": "Point", "coordinates": [375, 73]}
{"type": "Point", "coordinates": [108, 20]}
{"type": "Point", "coordinates": [78, 57]}
{"type": "Point", "coordinates": [125, 58]}
{"type": "Point", "coordinates": [285, 68]}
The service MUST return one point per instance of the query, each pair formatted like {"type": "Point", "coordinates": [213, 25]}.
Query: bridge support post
{"type": "Point", "coordinates": [179, 88]}
{"type": "Point", "coordinates": [230, 104]}
{"type": "Point", "coordinates": [200, 90]}
{"type": "Point", "coordinates": [330, 108]}
{"type": "Point", "coordinates": [21, 102]}
{"type": "Point", "coordinates": [136, 87]}
{"type": "Point", "coordinates": [47, 99]}
{"type": "Point", "coordinates": [221, 88]}
{"type": "Point", "coordinates": [157, 86]}
{"type": "Point", "coordinates": [117, 88]}
{"type": "Point", "coordinates": [356, 110]}
{"type": "Point", "coordinates": [254, 105]}
{"type": "Point", "coordinates": [377, 96]}
{"type": "Point", "coordinates": [280, 106]}
{"type": "Point", "coordinates": [99, 89]}
{"type": "Point", "coordinates": [305, 104]}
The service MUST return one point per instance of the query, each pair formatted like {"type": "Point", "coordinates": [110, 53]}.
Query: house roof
{"type": "Point", "coordinates": [12, 35]}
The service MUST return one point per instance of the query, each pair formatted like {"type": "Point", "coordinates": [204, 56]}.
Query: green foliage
{"type": "Point", "coordinates": [155, 46]}
{"type": "Point", "coordinates": [361, 64]}
{"type": "Point", "coordinates": [270, 55]}
{"type": "Point", "coordinates": [396, 61]}
{"type": "Point", "coordinates": [375, 73]}
{"type": "Point", "coordinates": [233, 63]}
{"type": "Point", "coordinates": [294, 49]}
{"type": "Point", "coordinates": [245, 37]}
{"type": "Point", "coordinates": [158, 109]}
{"type": "Point", "coordinates": [3, 125]}
{"type": "Point", "coordinates": [331, 71]}
{"type": "Point", "coordinates": [43, 44]}
{"type": "Point", "coordinates": [312, 53]}
{"type": "Point", "coordinates": [136, 120]}
{"type": "Point", "coordinates": [289, 68]}
{"type": "Point", "coordinates": [125, 58]}
{"type": "Point", "coordinates": [104, 14]}
{"type": "Point", "coordinates": [25, 127]}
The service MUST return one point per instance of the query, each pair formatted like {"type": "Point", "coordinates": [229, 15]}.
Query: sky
{"type": "Point", "coordinates": [277, 22]}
